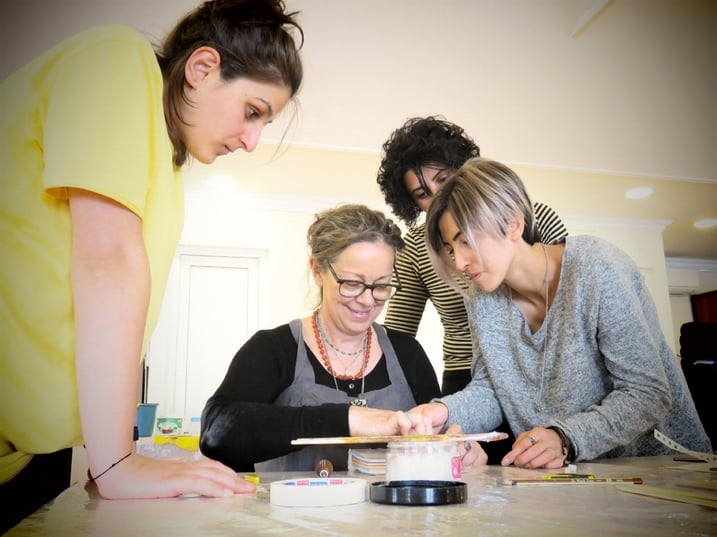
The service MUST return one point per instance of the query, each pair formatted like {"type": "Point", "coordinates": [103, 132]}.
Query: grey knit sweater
{"type": "Point", "coordinates": [607, 378]}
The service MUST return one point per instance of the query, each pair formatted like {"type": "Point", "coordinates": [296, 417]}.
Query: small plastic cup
{"type": "Point", "coordinates": [146, 414]}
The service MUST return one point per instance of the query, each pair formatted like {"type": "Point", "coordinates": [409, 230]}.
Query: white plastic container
{"type": "Point", "coordinates": [430, 461]}
{"type": "Point", "coordinates": [191, 426]}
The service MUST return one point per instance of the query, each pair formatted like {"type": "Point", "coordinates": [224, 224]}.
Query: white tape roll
{"type": "Point", "coordinates": [317, 492]}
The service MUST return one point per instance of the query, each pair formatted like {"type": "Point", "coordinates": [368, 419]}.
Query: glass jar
{"type": "Point", "coordinates": [431, 461]}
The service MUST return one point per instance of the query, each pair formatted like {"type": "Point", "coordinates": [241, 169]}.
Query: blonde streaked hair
{"type": "Point", "coordinates": [334, 230]}
{"type": "Point", "coordinates": [483, 196]}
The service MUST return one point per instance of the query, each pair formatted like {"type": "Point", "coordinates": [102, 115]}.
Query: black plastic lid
{"type": "Point", "coordinates": [418, 492]}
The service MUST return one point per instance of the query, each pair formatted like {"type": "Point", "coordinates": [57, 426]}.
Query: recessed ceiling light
{"type": "Point", "coordinates": [639, 193]}
{"type": "Point", "coordinates": [706, 223]}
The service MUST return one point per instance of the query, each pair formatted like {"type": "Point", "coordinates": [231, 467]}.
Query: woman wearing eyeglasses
{"type": "Point", "coordinates": [334, 373]}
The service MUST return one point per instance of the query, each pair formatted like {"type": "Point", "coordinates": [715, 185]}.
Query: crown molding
{"type": "Point", "coordinates": [285, 202]}
{"type": "Point", "coordinates": [703, 265]}
{"type": "Point", "coordinates": [573, 221]}
{"type": "Point", "coordinates": [508, 162]}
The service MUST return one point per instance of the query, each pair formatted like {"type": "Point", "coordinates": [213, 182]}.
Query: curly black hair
{"type": "Point", "coordinates": [420, 142]}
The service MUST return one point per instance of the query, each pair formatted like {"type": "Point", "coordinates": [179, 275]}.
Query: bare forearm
{"type": "Point", "coordinates": [110, 312]}
{"type": "Point", "coordinates": [111, 285]}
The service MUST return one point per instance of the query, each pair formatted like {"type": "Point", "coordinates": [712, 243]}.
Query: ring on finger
{"type": "Point", "coordinates": [467, 445]}
{"type": "Point", "coordinates": [532, 440]}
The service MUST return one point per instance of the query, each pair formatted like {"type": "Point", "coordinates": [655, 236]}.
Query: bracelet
{"type": "Point", "coordinates": [566, 444]}
{"type": "Point", "coordinates": [93, 479]}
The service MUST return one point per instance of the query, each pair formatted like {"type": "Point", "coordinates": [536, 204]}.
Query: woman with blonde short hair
{"type": "Point", "coordinates": [567, 343]}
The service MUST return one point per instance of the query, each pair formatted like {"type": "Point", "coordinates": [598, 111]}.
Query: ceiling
{"type": "Point", "coordinates": [622, 93]}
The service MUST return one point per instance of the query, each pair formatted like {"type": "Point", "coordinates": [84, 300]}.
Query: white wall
{"type": "Point", "coordinates": [632, 95]}
{"type": "Point", "coordinates": [267, 201]}
{"type": "Point", "coordinates": [274, 223]}
{"type": "Point", "coordinates": [278, 224]}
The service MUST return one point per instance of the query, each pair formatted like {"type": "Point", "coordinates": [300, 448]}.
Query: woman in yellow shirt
{"type": "Point", "coordinates": [92, 136]}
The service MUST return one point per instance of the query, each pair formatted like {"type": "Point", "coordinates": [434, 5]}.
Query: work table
{"type": "Point", "coordinates": [494, 507]}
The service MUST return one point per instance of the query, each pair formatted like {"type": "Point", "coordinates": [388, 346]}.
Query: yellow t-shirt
{"type": "Point", "coordinates": [87, 114]}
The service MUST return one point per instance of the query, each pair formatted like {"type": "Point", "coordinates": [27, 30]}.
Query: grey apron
{"type": "Point", "coordinates": [304, 391]}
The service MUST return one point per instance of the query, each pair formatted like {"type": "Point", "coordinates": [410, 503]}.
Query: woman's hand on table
{"type": "Point", "coordinates": [143, 477]}
{"type": "Point", "coordinates": [536, 448]}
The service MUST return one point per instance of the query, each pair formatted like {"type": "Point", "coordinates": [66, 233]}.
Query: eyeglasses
{"type": "Point", "coordinates": [354, 288]}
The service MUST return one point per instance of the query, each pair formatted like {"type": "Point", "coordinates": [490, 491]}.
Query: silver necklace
{"type": "Point", "coordinates": [538, 394]}
{"type": "Point", "coordinates": [328, 341]}
{"type": "Point", "coordinates": [349, 365]}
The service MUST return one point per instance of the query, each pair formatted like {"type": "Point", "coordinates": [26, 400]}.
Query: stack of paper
{"type": "Point", "coordinates": [368, 461]}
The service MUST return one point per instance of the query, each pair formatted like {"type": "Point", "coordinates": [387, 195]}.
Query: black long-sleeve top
{"type": "Point", "coordinates": [241, 424]}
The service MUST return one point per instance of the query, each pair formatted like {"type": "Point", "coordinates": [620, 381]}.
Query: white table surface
{"type": "Point", "coordinates": [493, 508]}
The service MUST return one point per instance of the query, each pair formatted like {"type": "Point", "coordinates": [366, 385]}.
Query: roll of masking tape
{"type": "Point", "coordinates": [317, 492]}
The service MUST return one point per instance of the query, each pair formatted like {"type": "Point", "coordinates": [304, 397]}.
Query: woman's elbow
{"type": "Point", "coordinates": [661, 403]}
{"type": "Point", "coordinates": [210, 442]}
{"type": "Point", "coordinates": [215, 433]}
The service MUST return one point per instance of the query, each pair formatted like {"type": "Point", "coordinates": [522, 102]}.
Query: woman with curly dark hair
{"type": "Point", "coordinates": [427, 142]}
{"type": "Point", "coordinates": [417, 159]}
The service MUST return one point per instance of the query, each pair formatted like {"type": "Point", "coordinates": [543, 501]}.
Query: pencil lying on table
{"type": "Point", "coordinates": [581, 479]}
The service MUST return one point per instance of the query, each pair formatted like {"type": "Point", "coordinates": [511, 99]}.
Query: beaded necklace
{"type": "Point", "coordinates": [328, 342]}
{"type": "Point", "coordinates": [325, 357]}
{"type": "Point", "coordinates": [355, 355]}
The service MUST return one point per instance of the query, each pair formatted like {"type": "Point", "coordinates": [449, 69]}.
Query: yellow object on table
{"type": "Point", "coordinates": [184, 441]}
{"type": "Point", "coordinates": [252, 478]}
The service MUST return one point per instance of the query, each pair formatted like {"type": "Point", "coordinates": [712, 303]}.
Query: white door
{"type": "Point", "coordinates": [212, 306]}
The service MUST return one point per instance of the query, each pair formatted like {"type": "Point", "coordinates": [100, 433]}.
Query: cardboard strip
{"type": "Point", "coordinates": [672, 494]}
{"type": "Point", "coordinates": [707, 457]}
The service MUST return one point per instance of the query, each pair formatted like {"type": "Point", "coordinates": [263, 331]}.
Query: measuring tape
{"type": "Point", "coordinates": [317, 492]}
{"type": "Point", "coordinates": [670, 443]}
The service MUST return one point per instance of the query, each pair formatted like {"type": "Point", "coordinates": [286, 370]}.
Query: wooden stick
{"type": "Point", "coordinates": [482, 437]}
